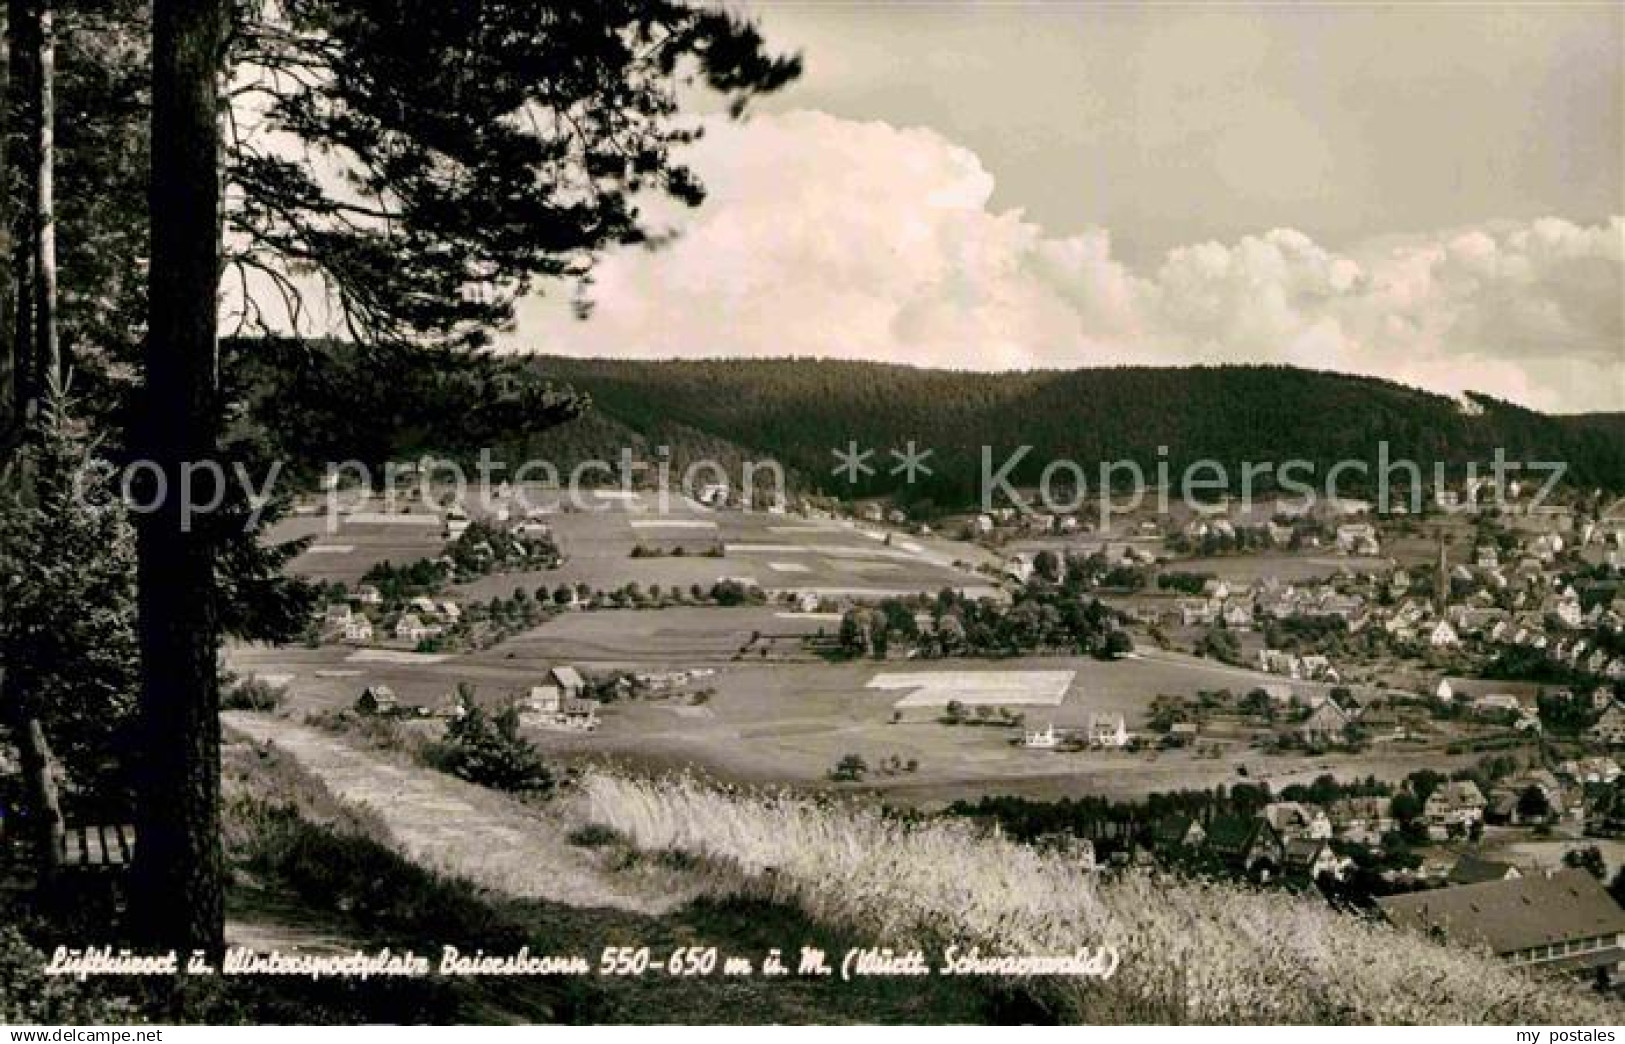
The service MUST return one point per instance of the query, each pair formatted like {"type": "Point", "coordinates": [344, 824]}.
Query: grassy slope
{"type": "Point", "coordinates": [295, 848]}
{"type": "Point", "coordinates": [1190, 952]}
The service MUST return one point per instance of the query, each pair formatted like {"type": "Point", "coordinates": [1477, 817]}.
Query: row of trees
{"type": "Point", "coordinates": [1042, 618]}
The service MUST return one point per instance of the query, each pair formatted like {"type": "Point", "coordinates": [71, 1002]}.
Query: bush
{"type": "Point", "coordinates": [29, 997]}
{"type": "Point", "coordinates": [850, 769]}
{"type": "Point", "coordinates": [253, 694]}
{"type": "Point", "coordinates": [487, 750]}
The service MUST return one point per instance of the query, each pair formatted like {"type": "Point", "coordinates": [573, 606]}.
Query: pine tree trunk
{"type": "Point", "coordinates": [47, 355]}
{"type": "Point", "coordinates": [178, 877]}
{"type": "Point", "coordinates": [8, 211]}
{"type": "Point", "coordinates": [22, 104]}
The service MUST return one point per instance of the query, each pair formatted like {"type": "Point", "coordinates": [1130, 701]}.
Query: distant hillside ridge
{"type": "Point", "coordinates": [316, 402]}
{"type": "Point", "coordinates": [799, 410]}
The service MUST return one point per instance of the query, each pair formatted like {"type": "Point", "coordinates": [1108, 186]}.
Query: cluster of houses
{"type": "Point", "coordinates": [1104, 732]}
{"type": "Point", "coordinates": [1285, 837]}
{"type": "Point", "coordinates": [363, 624]}
{"type": "Point", "coordinates": [560, 702]}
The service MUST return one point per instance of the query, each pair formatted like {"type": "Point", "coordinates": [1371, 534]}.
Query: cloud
{"type": "Point", "coordinates": [834, 238]}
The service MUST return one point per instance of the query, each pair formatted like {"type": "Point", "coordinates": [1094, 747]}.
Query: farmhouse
{"type": "Point", "coordinates": [410, 627]}
{"type": "Point", "coordinates": [1443, 636]}
{"type": "Point", "coordinates": [1040, 739]}
{"type": "Point", "coordinates": [1107, 730]}
{"type": "Point", "coordinates": [1326, 722]}
{"type": "Point", "coordinates": [1247, 843]}
{"type": "Point", "coordinates": [1295, 821]}
{"type": "Point", "coordinates": [569, 681]}
{"type": "Point", "coordinates": [1362, 819]}
{"type": "Point", "coordinates": [1457, 803]}
{"type": "Point", "coordinates": [1564, 921]}
{"type": "Point", "coordinates": [1609, 727]}
{"type": "Point", "coordinates": [579, 714]}
{"type": "Point", "coordinates": [1178, 832]}
{"type": "Point", "coordinates": [376, 699]}
{"type": "Point", "coordinates": [1311, 857]}
{"type": "Point", "coordinates": [544, 699]}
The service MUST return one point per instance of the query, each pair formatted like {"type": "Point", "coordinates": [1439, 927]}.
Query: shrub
{"type": "Point", "coordinates": [487, 749]}
{"type": "Point", "coordinates": [253, 694]}
{"type": "Point", "coordinates": [850, 769]}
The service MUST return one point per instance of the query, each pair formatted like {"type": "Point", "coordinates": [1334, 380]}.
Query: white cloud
{"type": "Point", "coordinates": [834, 238]}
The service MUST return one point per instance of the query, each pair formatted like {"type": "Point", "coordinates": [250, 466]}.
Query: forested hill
{"type": "Point", "coordinates": [798, 410]}
{"type": "Point", "coordinates": [326, 401]}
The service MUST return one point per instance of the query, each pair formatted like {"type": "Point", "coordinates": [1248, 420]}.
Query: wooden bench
{"type": "Point", "coordinates": [100, 847]}
{"type": "Point", "coordinates": [56, 847]}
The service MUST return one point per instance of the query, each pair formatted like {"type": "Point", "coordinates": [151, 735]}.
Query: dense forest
{"type": "Point", "coordinates": [797, 411]}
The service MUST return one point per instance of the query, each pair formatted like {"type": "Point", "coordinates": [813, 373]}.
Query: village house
{"type": "Point", "coordinates": [1250, 844]}
{"type": "Point", "coordinates": [1609, 728]}
{"type": "Point", "coordinates": [1238, 615]}
{"type": "Point", "coordinates": [367, 594]}
{"type": "Point", "coordinates": [1363, 820]}
{"type": "Point", "coordinates": [553, 700]}
{"type": "Point", "coordinates": [411, 628]}
{"type": "Point", "coordinates": [1197, 611]}
{"type": "Point", "coordinates": [1310, 858]}
{"type": "Point", "coordinates": [579, 714]}
{"type": "Point", "coordinates": [1040, 739]}
{"type": "Point", "coordinates": [1358, 538]}
{"type": "Point", "coordinates": [1443, 636]}
{"type": "Point", "coordinates": [1295, 821]}
{"type": "Point", "coordinates": [1107, 730]}
{"type": "Point", "coordinates": [1177, 832]}
{"type": "Point", "coordinates": [1563, 921]}
{"type": "Point", "coordinates": [543, 700]}
{"type": "Point", "coordinates": [358, 630]}
{"type": "Point", "coordinates": [1456, 803]}
{"type": "Point", "coordinates": [1327, 723]}
{"type": "Point", "coordinates": [376, 699]}
{"type": "Point", "coordinates": [1590, 770]}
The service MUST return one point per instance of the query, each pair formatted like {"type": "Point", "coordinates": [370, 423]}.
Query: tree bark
{"type": "Point", "coordinates": [47, 354]}
{"type": "Point", "coordinates": [23, 43]}
{"type": "Point", "coordinates": [178, 880]}
{"type": "Point", "coordinates": [8, 211]}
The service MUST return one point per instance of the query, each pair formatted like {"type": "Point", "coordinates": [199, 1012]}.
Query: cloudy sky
{"type": "Point", "coordinates": [1431, 193]}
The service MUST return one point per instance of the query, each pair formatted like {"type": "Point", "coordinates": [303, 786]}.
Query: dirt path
{"type": "Point", "coordinates": [442, 822]}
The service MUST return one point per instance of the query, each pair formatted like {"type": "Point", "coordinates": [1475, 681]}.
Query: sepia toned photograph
{"type": "Point", "coordinates": [915, 513]}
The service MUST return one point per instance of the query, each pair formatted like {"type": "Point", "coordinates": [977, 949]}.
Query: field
{"type": "Point", "coordinates": [790, 721]}
{"type": "Point", "coordinates": [779, 553]}
{"type": "Point", "coordinates": [976, 688]}
{"type": "Point", "coordinates": [359, 543]}
{"type": "Point", "coordinates": [1288, 567]}
{"type": "Point", "coordinates": [776, 713]}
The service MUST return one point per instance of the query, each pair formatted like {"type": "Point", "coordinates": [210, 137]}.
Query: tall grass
{"type": "Point", "coordinates": [1190, 952]}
